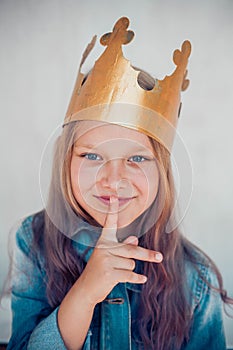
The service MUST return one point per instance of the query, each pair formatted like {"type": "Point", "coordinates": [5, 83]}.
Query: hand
{"type": "Point", "coordinates": [112, 262]}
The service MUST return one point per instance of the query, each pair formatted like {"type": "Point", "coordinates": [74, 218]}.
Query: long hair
{"type": "Point", "coordinates": [164, 317]}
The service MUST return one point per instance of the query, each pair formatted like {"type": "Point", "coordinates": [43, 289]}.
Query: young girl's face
{"type": "Point", "coordinates": [113, 161]}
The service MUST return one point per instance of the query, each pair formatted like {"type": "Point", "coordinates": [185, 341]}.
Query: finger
{"type": "Point", "coordinates": [131, 240]}
{"type": "Point", "coordinates": [120, 263]}
{"type": "Point", "coordinates": [131, 277]}
{"type": "Point", "coordinates": [110, 226]}
{"type": "Point", "coordinates": [112, 214]}
{"type": "Point", "coordinates": [138, 253]}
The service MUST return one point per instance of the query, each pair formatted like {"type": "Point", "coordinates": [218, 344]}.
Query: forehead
{"type": "Point", "coordinates": [94, 132]}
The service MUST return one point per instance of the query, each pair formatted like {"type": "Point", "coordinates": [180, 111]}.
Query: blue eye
{"type": "Point", "coordinates": [137, 159]}
{"type": "Point", "coordinates": [91, 156]}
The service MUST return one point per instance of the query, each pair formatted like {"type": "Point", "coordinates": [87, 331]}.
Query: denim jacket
{"type": "Point", "coordinates": [35, 326]}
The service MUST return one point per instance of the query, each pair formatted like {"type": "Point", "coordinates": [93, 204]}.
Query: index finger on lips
{"type": "Point", "coordinates": [110, 226]}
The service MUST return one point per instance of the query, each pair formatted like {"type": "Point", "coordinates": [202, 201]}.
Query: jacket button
{"type": "Point", "coordinates": [115, 301]}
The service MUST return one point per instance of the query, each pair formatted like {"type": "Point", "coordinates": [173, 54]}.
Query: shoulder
{"type": "Point", "coordinates": [201, 275]}
{"type": "Point", "coordinates": [207, 330]}
{"type": "Point", "coordinates": [27, 266]}
{"type": "Point", "coordinates": [27, 231]}
{"type": "Point", "coordinates": [24, 233]}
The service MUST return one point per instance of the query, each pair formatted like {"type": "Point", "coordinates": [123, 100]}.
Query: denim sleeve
{"type": "Point", "coordinates": [207, 330]}
{"type": "Point", "coordinates": [34, 322]}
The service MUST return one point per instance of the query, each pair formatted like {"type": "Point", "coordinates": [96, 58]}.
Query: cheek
{"type": "Point", "coordinates": [147, 182]}
{"type": "Point", "coordinates": [150, 190]}
{"type": "Point", "coordinates": [78, 182]}
{"type": "Point", "coordinates": [82, 178]}
{"type": "Point", "coordinates": [74, 173]}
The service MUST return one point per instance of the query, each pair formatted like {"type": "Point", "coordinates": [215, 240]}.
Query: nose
{"type": "Point", "coordinates": [112, 175]}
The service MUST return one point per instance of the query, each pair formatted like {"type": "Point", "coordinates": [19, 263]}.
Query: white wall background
{"type": "Point", "coordinates": [41, 45]}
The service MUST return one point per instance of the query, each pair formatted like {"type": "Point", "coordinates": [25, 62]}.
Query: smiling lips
{"type": "Point", "coordinates": [106, 199]}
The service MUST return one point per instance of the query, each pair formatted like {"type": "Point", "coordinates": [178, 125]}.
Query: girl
{"type": "Point", "coordinates": [97, 269]}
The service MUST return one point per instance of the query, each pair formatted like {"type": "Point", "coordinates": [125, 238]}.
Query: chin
{"type": "Point", "coordinates": [121, 223]}
{"type": "Point", "coordinates": [125, 222]}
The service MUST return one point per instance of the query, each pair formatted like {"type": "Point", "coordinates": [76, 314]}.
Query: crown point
{"type": "Point", "coordinates": [177, 57]}
{"type": "Point", "coordinates": [122, 22]}
{"type": "Point", "coordinates": [185, 52]}
{"type": "Point", "coordinates": [129, 37]}
{"type": "Point", "coordinates": [185, 85]}
{"type": "Point", "coordinates": [186, 48]}
{"type": "Point", "coordinates": [88, 49]}
{"type": "Point", "coordinates": [104, 40]}
{"type": "Point", "coordinates": [119, 31]}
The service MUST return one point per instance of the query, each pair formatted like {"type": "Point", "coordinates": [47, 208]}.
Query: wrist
{"type": "Point", "coordinates": [82, 291]}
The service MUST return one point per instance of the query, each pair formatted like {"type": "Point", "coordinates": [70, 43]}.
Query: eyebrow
{"type": "Point", "coordinates": [90, 147]}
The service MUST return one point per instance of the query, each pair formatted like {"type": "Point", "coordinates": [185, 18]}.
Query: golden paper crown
{"type": "Point", "coordinates": [111, 92]}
